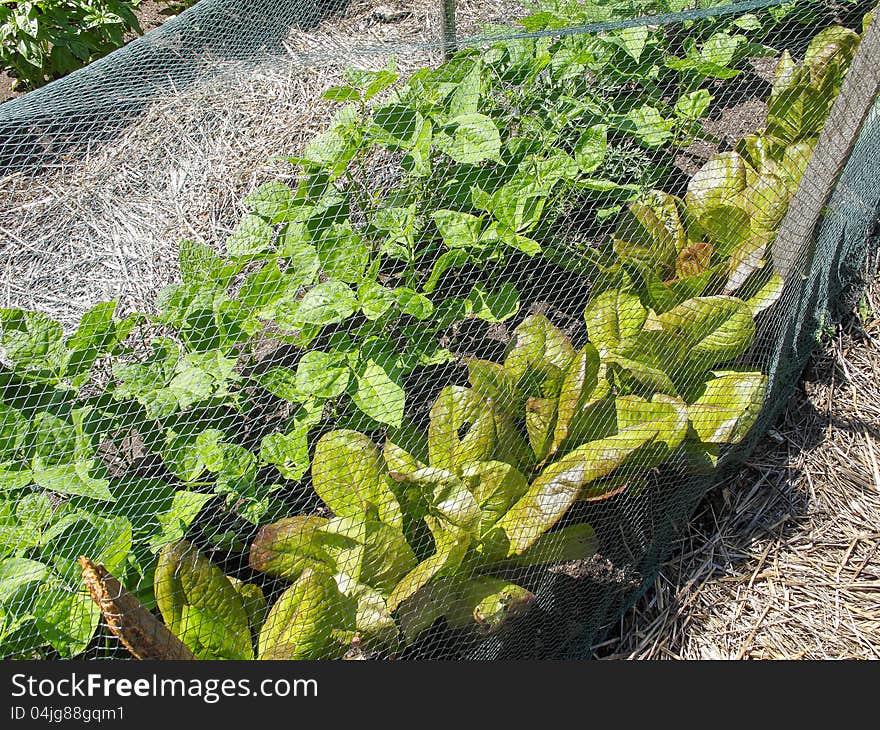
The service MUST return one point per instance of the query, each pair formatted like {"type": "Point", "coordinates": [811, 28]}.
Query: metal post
{"type": "Point", "coordinates": [449, 40]}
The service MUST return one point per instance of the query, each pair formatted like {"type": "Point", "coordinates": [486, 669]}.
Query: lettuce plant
{"type": "Point", "coordinates": [424, 527]}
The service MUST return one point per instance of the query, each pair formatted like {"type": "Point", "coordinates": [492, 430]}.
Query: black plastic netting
{"type": "Point", "coordinates": [407, 331]}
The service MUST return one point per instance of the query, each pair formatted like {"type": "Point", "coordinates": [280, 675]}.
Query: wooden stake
{"type": "Point", "coordinates": [140, 631]}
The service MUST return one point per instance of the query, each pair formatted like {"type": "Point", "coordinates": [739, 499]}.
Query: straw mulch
{"type": "Point", "coordinates": [105, 223]}
{"type": "Point", "coordinates": [784, 562]}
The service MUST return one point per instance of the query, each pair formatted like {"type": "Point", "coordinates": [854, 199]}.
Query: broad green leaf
{"type": "Point", "coordinates": [717, 183]}
{"type": "Point", "coordinates": [462, 428]}
{"type": "Point", "coordinates": [649, 126]}
{"type": "Point", "coordinates": [445, 496]}
{"type": "Point", "coordinates": [107, 540]}
{"type": "Point", "coordinates": [343, 254]}
{"type": "Point", "coordinates": [720, 48]}
{"type": "Point", "coordinates": [649, 229]}
{"type": "Point", "coordinates": [536, 344]}
{"type": "Point", "coordinates": [379, 556]}
{"type": "Point", "coordinates": [612, 317]}
{"type": "Point", "coordinates": [710, 330]}
{"type": "Point", "coordinates": [401, 225]}
{"type": "Point", "coordinates": [552, 493]}
{"type": "Point", "coordinates": [378, 395]}
{"type": "Point", "coordinates": [632, 40]}
{"type": "Point", "coordinates": [573, 542]}
{"type": "Point", "coordinates": [693, 104]}
{"type": "Point", "coordinates": [470, 139]}
{"type": "Point", "coordinates": [589, 150]}
{"type": "Point", "coordinates": [450, 551]}
{"type": "Point", "coordinates": [376, 629]}
{"type": "Point", "coordinates": [766, 201]}
{"type": "Point", "coordinates": [829, 54]}
{"type": "Point", "coordinates": [252, 236]}
{"type": "Point", "coordinates": [76, 478]}
{"type": "Point", "coordinates": [280, 382]}
{"type": "Point", "coordinates": [412, 303]}
{"type": "Point", "coordinates": [286, 548]}
{"type": "Point", "coordinates": [301, 623]}
{"type": "Point", "coordinates": [579, 391]}
{"type": "Point", "coordinates": [322, 374]}
{"type": "Point", "coordinates": [14, 476]}
{"type": "Point", "coordinates": [645, 371]}
{"type": "Point", "coordinates": [746, 260]}
{"type": "Point", "coordinates": [728, 407]}
{"type": "Point", "coordinates": [728, 227]}
{"type": "Point", "coordinates": [494, 306]}
{"type": "Point", "coordinates": [418, 161]}
{"type": "Point", "coordinates": [342, 94]}
{"type": "Point", "coordinates": [764, 294]}
{"type": "Point", "coordinates": [458, 230]}
{"type": "Point", "coordinates": [510, 237]}
{"type": "Point", "coordinates": [254, 602]}
{"type": "Point", "coordinates": [490, 380]}
{"type": "Point", "coordinates": [397, 124]}
{"type": "Point", "coordinates": [448, 260]}
{"type": "Point", "coordinates": [496, 486]}
{"type": "Point", "coordinates": [303, 265]}
{"type": "Point", "coordinates": [518, 204]}
{"type": "Point", "coordinates": [263, 287]}
{"type": "Point", "coordinates": [406, 450]}
{"type": "Point", "coordinates": [540, 420]}
{"type": "Point", "coordinates": [13, 430]}
{"type": "Point", "coordinates": [664, 417]}
{"type": "Point", "coordinates": [489, 603]}
{"type": "Point", "coordinates": [96, 335]}
{"type": "Point", "coordinates": [272, 200]}
{"type": "Point", "coordinates": [173, 523]}
{"type": "Point", "coordinates": [327, 303]}
{"type": "Point", "coordinates": [375, 299]}
{"type": "Point", "coordinates": [468, 92]}
{"type": "Point", "coordinates": [371, 82]}
{"type": "Point", "coordinates": [18, 572]}
{"type": "Point", "coordinates": [334, 149]}
{"type": "Point", "coordinates": [33, 341]}
{"type": "Point", "coordinates": [287, 452]}
{"type": "Point", "coordinates": [349, 475]}
{"type": "Point", "coordinates": [66, 620]}
{"type": "Point", "coordinates": [200, 605]}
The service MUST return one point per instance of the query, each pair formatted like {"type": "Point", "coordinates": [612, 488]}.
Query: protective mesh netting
{"type": "Point", "coordinates": [324, 336]}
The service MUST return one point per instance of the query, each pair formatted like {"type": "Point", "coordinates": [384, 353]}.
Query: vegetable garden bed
{"type": "Point", "coordinates": [449, 388]}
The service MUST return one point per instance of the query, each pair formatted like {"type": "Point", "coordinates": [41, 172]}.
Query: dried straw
{"type": "Point", "coordinates": [106, 223]}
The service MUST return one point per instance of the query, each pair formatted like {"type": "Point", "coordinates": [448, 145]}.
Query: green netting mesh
{"type": "Point", "coordinates": [330, 333]}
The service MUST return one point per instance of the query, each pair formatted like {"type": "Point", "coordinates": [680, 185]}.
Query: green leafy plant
{"type": "Point", "coordinates": [426, 529]}
{"type": "Point", "coordinates": [43, 39]}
